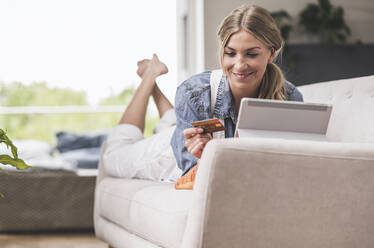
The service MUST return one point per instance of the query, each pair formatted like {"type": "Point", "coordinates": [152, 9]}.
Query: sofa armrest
{"type": "Point", "coordinates": [283, 193]}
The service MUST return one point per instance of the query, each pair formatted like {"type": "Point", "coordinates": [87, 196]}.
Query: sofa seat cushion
{"type": "Point", "coordinates": [154, 211]}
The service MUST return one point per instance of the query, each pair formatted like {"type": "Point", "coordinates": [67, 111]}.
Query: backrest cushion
{"type": "Point", "coordinates": [352, 118]}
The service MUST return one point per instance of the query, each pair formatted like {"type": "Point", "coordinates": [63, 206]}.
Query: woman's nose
{"type": "Point", "coordinates": [241, 64]}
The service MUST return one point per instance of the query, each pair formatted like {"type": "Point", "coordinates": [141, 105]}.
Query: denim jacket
{"type": "Point", "coordinates": [192, 103]}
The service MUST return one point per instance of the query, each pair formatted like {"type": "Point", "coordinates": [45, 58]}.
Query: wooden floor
{"type": "Point", "coordinates": [59, 240]}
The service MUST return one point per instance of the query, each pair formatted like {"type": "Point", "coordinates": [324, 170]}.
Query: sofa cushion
{"type": "Point", "coordinates": [353, 107]}
{"type": "Point", "coordinates": [151, 210]}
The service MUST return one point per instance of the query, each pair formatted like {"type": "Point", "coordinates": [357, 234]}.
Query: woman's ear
{"type": "Point", "coordinates": [272, 55]}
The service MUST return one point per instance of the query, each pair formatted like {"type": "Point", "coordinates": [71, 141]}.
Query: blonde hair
{"type": "Point", "coordinates": [260, 24]}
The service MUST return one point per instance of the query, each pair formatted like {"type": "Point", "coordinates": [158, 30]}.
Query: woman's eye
{"type": "Point", "coordinates": [231, 54]}
{"type": "Point", "coordinates": [252, 55]}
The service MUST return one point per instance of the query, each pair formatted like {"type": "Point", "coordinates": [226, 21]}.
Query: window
{"type": "Point", "coordinates": [86, 45]}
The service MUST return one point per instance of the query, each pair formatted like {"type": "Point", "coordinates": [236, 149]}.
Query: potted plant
{"type": "Point", "coordinates": [9, 160]}
{"type": "Point", "coordinates": [328, 52]}
{"type": "Point", "coordinates": [325, 21]}
{"type": "Point", "coordinates": [283, 21]}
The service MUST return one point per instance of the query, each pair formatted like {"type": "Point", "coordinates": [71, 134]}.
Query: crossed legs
{"type": "Point", "coordinates": [136, 110]}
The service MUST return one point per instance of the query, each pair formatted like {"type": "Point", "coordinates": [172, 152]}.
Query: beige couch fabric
{"type": "Point", "coordinates": [151, 210]}
{"type": "Point", "coordinates": [353, 113]}
{"type": "Point", "coordinates": [260, 192]}
{"type": "Point", "coordinates": [278, 193]}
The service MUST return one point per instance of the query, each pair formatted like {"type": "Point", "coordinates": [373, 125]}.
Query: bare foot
{"type": "Point", "coordinates": [142, 66]}
{"type": "Point", "coordinates": [155, 67]}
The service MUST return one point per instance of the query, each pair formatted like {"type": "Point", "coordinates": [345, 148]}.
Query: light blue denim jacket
{"type": "Point", "coordinates": [192, 103]}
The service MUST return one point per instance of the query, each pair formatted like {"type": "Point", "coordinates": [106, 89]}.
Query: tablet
{"type": "Point", "coordinates": [283, 119]}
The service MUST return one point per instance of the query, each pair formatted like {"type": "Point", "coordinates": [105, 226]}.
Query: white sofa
{"type": "Point", "coordinates": [260, 192]}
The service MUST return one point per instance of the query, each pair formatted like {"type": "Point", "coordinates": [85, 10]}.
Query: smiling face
{"type": "Point", "coordinates": [244, 61]}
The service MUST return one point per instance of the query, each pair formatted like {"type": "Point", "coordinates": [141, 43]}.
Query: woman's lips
{"type": "Point", "coordinates": [241, 76]}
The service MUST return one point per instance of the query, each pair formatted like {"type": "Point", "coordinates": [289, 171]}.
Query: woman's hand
{"type": "Point", "coordinates": [196, 140]}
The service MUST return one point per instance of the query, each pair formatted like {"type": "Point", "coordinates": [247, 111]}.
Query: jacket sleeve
{"type": "Point", "coordinates": [293, 94]}
{"type": "Point", "coordinates": [185, 113]}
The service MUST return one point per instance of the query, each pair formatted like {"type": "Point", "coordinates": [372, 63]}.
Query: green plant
{"type": "Point", "coordinates": [325, 21]}
{"type": "Point", "coordinates": [283, 19]}
{"type": "Point", "coordinates": [8, 160]}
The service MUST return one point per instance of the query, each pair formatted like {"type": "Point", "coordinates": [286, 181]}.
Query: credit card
{"type": "Point", "coordinates": [210, 125]}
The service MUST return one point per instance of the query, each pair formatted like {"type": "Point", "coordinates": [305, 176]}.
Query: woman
{"type": "Point", "coordinates": [127, 153]}
{"type": "Point", "coordinates": [250, 42]}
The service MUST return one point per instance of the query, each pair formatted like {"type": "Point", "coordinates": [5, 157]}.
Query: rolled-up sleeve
{"type": "Point", "coordinates": [185, 114]}
{"type": "Point", "coordinates": [293, 94]}
{"type": "Point", "coordinates": [296, 96]}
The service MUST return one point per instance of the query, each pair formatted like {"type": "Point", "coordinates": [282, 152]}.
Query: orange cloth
{"type": "Point", "coordinates": [187, 180]}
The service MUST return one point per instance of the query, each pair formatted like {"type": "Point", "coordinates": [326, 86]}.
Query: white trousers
{"type": "Point", "coordinates": [128, 154]}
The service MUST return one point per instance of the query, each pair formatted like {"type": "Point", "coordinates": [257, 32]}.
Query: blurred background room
{"type": "Point", "coordinates": [68, 69]}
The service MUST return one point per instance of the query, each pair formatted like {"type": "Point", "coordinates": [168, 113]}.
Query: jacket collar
{"type": "Point", "coordinates": [224, 107]}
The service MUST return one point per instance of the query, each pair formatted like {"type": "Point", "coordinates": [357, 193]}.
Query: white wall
{"type": "Point", "coordinates": [190, 38]}
{"type": "Point", "coordinates": [358, 15]}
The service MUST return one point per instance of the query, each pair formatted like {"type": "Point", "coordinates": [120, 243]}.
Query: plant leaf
{"type": "Point", "coordinates": [4, 139]}
{"type": "Point", "coordinates": [16, 162]}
